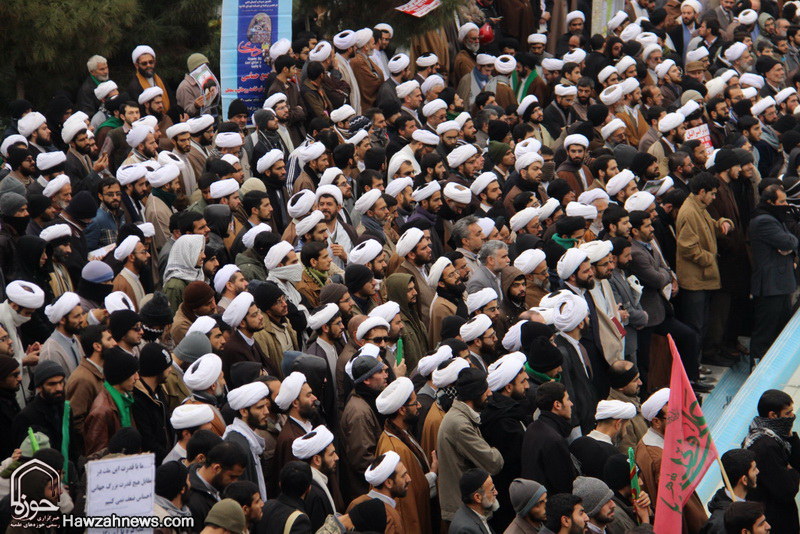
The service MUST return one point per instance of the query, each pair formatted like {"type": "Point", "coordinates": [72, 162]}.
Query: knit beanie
{"type": "Point", "coordinates": [170, 479]}
{"type": "Point", "coordinates": [192, 347]}
{"type": "Point", "coordinates": [356, 276]}
{"type": "Point", "coordinates": [16, 155]}
{"type": "Point", "coordinates": [236, 107]}
{"type": "Point", "coordinates": [369, 516]}
{"type": "Point", "coordinates": [37, 204]}
{"type": "Point", "coordinates": [12, 185]}
{"type": "Point", "coordinates": [543, 356]}
{"type": "Point", "coordinates": [121, 321]}
{"type": "Point", "coordinates": [594, 493]}
{"type": "Point", "coordinates": [332, 293]}
{"type": "Point", "coordinates": [82, 206]}
{"type": "Point", "coordinates": [7, 366]}
{"type": "Point", "coordinates": [498, 130]}
{"type": "Point", "coordinates": [227, 514]}
{"type": "Point", "coordinates": [497, 150]}
{"type": "Point", "coordinates": [524, 494]}
{"type": "Point", "coordinates": [153, 360]}
{"type": "Point", "coordinates": [451, 326]}
{"type": "Point", "coordinates": [471, 384]}
{"type": "Point", "coordinates": [156, 312]}
{"type": "Point", "coordinates": [118, 365]}
{"type": "Point", "coordinates": [11, 203]}
{"type": "Point", "coordinates": [45, 370]}
{"type": "Point", "coordinates": [197, 294]}
{"type": "Point", "coordinates": [532, 330]}
{"type": "Point", "coordinates": [266, 294]}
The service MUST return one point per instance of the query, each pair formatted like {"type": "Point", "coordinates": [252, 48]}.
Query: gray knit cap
{"type": "Point", "coordinates": [11, 185]}
{"type": "Point", "coordinates": [10, 203]}
{"type": "Point", "coordinates": [193, 346]}
{"type": "Point", "coordinates": [594, 493]}
{"type": "Point", "coordinates": [525, 494]}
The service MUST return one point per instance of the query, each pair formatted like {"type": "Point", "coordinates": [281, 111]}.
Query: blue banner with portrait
{"type": "Point", "coordinates": [249, 27]}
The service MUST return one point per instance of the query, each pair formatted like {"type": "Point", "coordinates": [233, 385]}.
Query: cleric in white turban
{"type": "Point", "coordinates": [569, 262]}
{"type": "Point", "coordinates": [614, 409]}
{"type": "Point", "coordinates": [365, 252]}
{"type": "Point", "coordinates": [62, 307]}
{"type": "Point", "coordinates": [428, 364]}
{"type": "Point", "coordinates": [408, 241]}
{"type": "Point", "coordinates": [394, 396]}
{"type": "Point", "coordinates": [313, 443]}
{"type": "Point", "coordinates": [571, 313]}
{"type": "Point", "coordinates": [25, 294]}
{"type": "Point", "coordinates": [503, 371]}
{"type": "Point", "coordinates": [191, 416]}
{"type": "Point", "coordinates": [290, 390]}
{"type": "Point", "coordinates": [247, 395]}
{"type": "Point", "coordinates": [203, 373]}
{"type": "Point", "coordinates": [655, 403]}
{"type": "Point", "coordinates": [387, 462]}
{"type": "Point", "coordinates": [479, 299]}
{"type": "Point", "coordinates": [475, 327]}
{"type": "Point", "coordinates": [237, 310]}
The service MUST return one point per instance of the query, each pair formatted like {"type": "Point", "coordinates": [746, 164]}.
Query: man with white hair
{"type": "Point", "coordinates": [144, 62]}
{"type": "Point", "coordinates": [368, 74]}
{"type": "Point", "coordinates": [493, 258]}
{"type": "Point", "coordinates": [465, 59]}
{"type": "Point", "coordinates": [86, 100]}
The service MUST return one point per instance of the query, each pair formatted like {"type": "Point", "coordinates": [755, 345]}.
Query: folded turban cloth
{"type": "Point", "coordinates": [290, 390]}
{"type": "Point", "coordinates": [614, 409]}
{"type": "Point", "coordinates": [428, 364]}
{"type": "Point", "coordinates": [191, 416]}
{"type": "Point", "coordinates": [475, 327]}
{"type": "Point", "coordinates": [237, 310]}
{"type": "Point", "coordinates": [247, 395]}
{"type": "Point", "coordinates": [572, 311]}
{"type": "Point", "coordinates": [61, 307]}
{"type": "Point", "coordinates": [203, 373]}
{"type": "Point", "coordinates": [376, 475]}
{"type": "Point", "coordinates": [503, 371]}
{"type": "Point", "coordinates": [25, 294]}
{"type": "Point", "coordinates": [655, 403]}
{"type": "Point", "coordinates": [479, 299]}
{"type": "Point", "coordinates": [313, 443]}
{"type": "Point", "coordinates": [394, 396]}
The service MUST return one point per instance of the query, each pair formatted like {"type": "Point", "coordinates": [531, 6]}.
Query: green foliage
{"type": "Point", "coordinates": [352, 14]}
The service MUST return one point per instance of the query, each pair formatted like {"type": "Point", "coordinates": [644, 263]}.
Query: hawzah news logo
{"type": "Point", "coordinates": [35, 488]}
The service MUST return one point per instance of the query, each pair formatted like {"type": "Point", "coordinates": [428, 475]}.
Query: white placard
{"type": "Point", "coordinates": [122, 486]}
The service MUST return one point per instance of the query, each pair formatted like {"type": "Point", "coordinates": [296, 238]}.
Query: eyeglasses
{"type": "Point", "coordinates": [491, 309]}
{"type": "Point", "coordinates": [145, 63]}
{"type": "Point", "coordinates": [378, 340]}
{"type": "Point", "coordinates": [138, 328]}
{"type": "Point", "coordinates": [411, 404]}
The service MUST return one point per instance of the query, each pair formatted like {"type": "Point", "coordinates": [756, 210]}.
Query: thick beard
{"type": "Point", "coordinates": [584, 284]}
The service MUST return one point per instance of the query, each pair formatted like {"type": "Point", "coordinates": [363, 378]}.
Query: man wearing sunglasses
{"type": "Point", "coordinates": [126, 329]}
{"type": "Point", "coordinates": [144, 60]}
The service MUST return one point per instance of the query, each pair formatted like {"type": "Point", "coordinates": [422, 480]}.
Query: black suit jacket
{"type": "Point", "coordinates": [237, 350]}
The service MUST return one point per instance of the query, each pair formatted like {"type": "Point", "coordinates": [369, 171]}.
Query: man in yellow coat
{"type": "Point", "coordinates": [398, 402]}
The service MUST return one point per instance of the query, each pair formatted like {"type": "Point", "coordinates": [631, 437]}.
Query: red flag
{"type": "Point", "coordinates": [688, 449]}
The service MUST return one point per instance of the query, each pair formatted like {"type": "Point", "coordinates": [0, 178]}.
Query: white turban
{"type": "Point", "coordinates": [481, 182]}
{"type": "Point", "coordinates": [149, 94]}
{"type": "Point", "coordinates": [223, 188]}
{"type": "Point", "coordinates": [447, 376]}
{"type": "Point", "coordinates": [342, 113]}
{"type": "Point", "coordinates": [572, 15]}
{"type": "Point", "coordinates": [487, 225]}
{"type": "Point", "coordinates": [228, 140]}
{"type": "Point", "coordinates": [384, 470]}
{"type": "Point", "coordinates": [604, 74]}
{"type": "Point", "coordinates": [369, 324]}
{"type": "Point", "coordinates": [61, 307]}
{"type": "Point", "coordinates": [619, 181]}
{"type": "Point", "coordinates": [47, 160]}
{"type": "Point", "coordinates": [30, 122]}
{"type": "Point", "coordinates": [576, 209]}
{"type": "Point", "coordinates": [569, 262]}
{"type": "Point", "coordinates": [137, 135]}
{"type": "Point", "coordinates": [367, 200]}
{"type": "Point", "coordinates": [457, 193]}
{"type": "Point", "coordinates": [436, 270]}
{"type": "Point", "coordinates": [191, 416]}
{"type": "Point", "coordinates": [71, 128]}
{"type": "Point", "coordinates": [617, 20]}
{"type": "Point", "coordinates": [611, 127]}
{"type": "Point", "coordinates": [203, 324]}
{"type": "Point", "coordinates": [747, 17]}
{"type": "Point", "coordinates": [56, 231]}
{"type": "Point", "coordinates": [784, 94]}
{"type": "Point", "coordinates": [237, 310]}
{"type": "Point", "coordinates": [752, 80]}
{"type": "Point", "coordinates": [688, 108]}
{"type": "Point", "coordinates": [406, 88]}
{"type": "Point", "coordinates": [566, 90]}
{"type": "Point", "coordinates": [432, 81]}
{"type": "Point", "coordinates": [464, 30]}
{"type": "Point", "coordinates": [762, 105]}
{"type": "Point", "coordinates": [526, 159]}
{"type": "Point", "coordinates": [394, 396]}
{"type": "Point", "coordinates": [505, 64]}
{"type": "Point", "coordinates": [537, 38]}
{"type": "Point", "coordinates": [460, 154]}
{"type": "Point", "coordinates": [655, 403]}
{"type": "Point", "coordinates": [313, 443]}
{"type": "Point", "coordinates": [735, 51]}
{"type": "Point", "coordinates": [554, 299]}
{"type": "Point", "coordinates": [570, 313]}
{"type": "Point", "coordinates": [446, 126]}
{"type": "Point", "coordinates": [529, 260]}
{"type": "Point", "coordinates": [409, 240]}
{"type": "Point", "coordinates": [576, 139]}
{"type": "Point", "coordinates": [576, 56]}
{"type": "Point", "coordinates": [480, 298]}
{"type": "Point", "coordinates": [639, 201]}
{"type": "Point", "coordinates": [323, 316]}
{"type": "Point", "coordinates": [526, 103]}
{"type": "Point", "coordinates": [694, 4]}
{"type": "Point", "coordinates": [428, 364]}
{"type": "Point", "coordinates": [25, 294]}
{"type": "Point", "coordinates": [475, 327]}
{"type": "Point", "coordinates": [715, 86]}
{"type": "Point", "coordinates": [268, 160]}
{"type": "Point", "coordinates": [552, 64]}
{"type": "Point", "coordinates": [329, 176]}
{"type": "Point", "coordinates": [663, 68]}
{"type": "Point", "coordinates": [224, 275]}
{"type": "Point", "coordinates": [247, 395]}
{"type": "Point", "coordinates": [629, 85]}
{"type": "Point", "coordinates": [522, 218]}
{"type": "Point", "coordinates": [549, 208]}
{"type": "Point", "coordinates": [290, 390]}
{"type": "Point", "coordinates": [177, 129]}
{"type": "Point", "coordinates": [357, 137]}
{"type": "Point", "coordinates": [614, 409]}
{"type": "Point", "coordinates": [103, 89]}
{"type": "Point", "coordinates": [670, 121]}
{"type": "Point", "coordinates": [428, 59]}
{"type": "Point", "coordinates": [365, 252]}
{"type": "Point", "coordinates": [749, 92]}
{"type": "Point", "coordinates": [311, 152]}
{"type": "Point", "coordinates": [429, 109]}
{"type": "Point", "coordinates": [512, 341]}
{"type": "Point", "coordinates": [625, 63]}
{"type": "Point", "coordinates": [503, 371]}
{"type": "Point", "coordinates": [321, 52]}
{"type": "Point", "coordinates": [199, 124]}
{"type": "Point", "coordinates": [344, 39]}
{"type": "Point", "coordinates": [591, 195]}
{"type": "Point", "coordinates": [141, 49]}
{"type": "Point", "coordinates": [611, 95]}
{"type": "Point", "coordinates": [169, 172]}
{"type": "Point", "coordinates": [277, 253]}
{"type": "Point", "coordinates": [697, 54]}
{"type": "Point", "coordinates": [117, 300]}
{"type": "Point", "coordinates": [301, 203]}
{"type": "Point", "coordinates": [630, 32]}
{"type": "Point", "coordinates": [399, 63]}
{"type": "Point", "coordinates": [426, 191]}
{"type": "Point", "coordinates": [55, 185]}
{"type": "Point", "coordinates": [386, 311]}
{"type": "Point", "coordinates": [462, 118]}
{"type": "Point", "coordinates": [597, 250]}
{"type": "Point", "coordinates": [249, 237]}
{"type": "Point", "coordinates": [308, 223]}
{"type": "Point", "coordinates": [425, 136]}
{"type": "Point", "coordinates": [203, 373]}
{"type": "Point", "coordinates": [126, 248]}
{"type": "Point", "coordinates": [398, 185]}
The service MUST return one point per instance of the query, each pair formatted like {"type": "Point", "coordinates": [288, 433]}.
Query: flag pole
{"type": "Point", "coordinates": [725, 476]}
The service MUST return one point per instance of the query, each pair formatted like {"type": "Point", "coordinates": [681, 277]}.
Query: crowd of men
{"type": "Point", "coordinates": [415, 290]}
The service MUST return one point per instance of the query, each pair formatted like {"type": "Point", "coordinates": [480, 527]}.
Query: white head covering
{"type": "Point", "coordinates": [503, 371]}
{"type": "Point", "coordinates": [648, 50]}
{"type": "Point", "coordinates": [342, 113]}
{"type": "Point", "coordinates": [569, 262]}
{"type": "Point", "coordinates": [522, 218]}
{"type": "Point", "coordinates": [480, 298]}
{"type": "Point", "coordinates": [606, 71]}
{"type": "Point", "coordinates": [612, 127]}
{"type": "Point", "coordinates": [425, 191]}
{"type": "Point", "coordinates": [126, 248]}
{"type": "Point", "coordinates": [269, 159]}
{"type": "Point", "coordinates": [384, 470]}
{"type": "Point", "coordinates": [436, 270]}
{"type": "Point", "coordinates": [365, 252]}
{"type": "Point", "coordinates": [784, 94]}
{"type": "Point", "coordinates": [428, 364]}
{"type": "Point", "coordinates": [300, 203]}
{"type": "Point", "coordinates": [425, 136]}
{"type": "Point", "coordinates": [329, 176]}
{"type": "Point", "coordinates": [321, 52]}
{"type": "Point", "coordinates": [409, 240]}
{"type": "Point", "coordinates": [639, 201]}
{"type": "Point", "coordinates": [655, 403]}
{"type": "Point", "coordinates": [552, 64]}
{"type": "Point", "coordinates": [191, 416]}
{"type": "Point", "coordinates": [619, 181]}
{"type": "Point", "coordinates": [624, 63]}
{"type": "Point", "coordinates": [527, 145]}
{"type": "Point", "coordinates": [566, 90]}
{"type": "Point", "coordinates": [487, 225]}
{"type": "Point", "coordinates": [323, 316]}
{"type": "Point", "coordinates": [70, 129]}
{"type": "Point", "coordinates": [670, 121]}
{"type": "Point", "coordinates": [398, 185]}
{"type": "Point", "coordinates": [169, 172]}
{"type": "Point", "coordinates": [386, 311]}
{"type": "Point", "coordinates": [394, 396]}
{"type": "Point", "coordinates": [694, 4]}
{"type": "Point", "coordinates": [475, 327]}
{"type": "Point", "coordinates": [228, 140]}
{"type": "Point", "coordinates": [614, 409]}
{"type": "Point", "coordinates": [629, 85]}
{"type": "Point", "coordinates": [597, 250]}
{"type": "Point", "coordinates": [30, 122]}
{"type": "Point", "coordinates": [749, 92]}
{"type": "Point", "coordinates": [460, 154]}
{"type": "Point", "coordinates": [223, 188]}
{"type": "Point", "coordinates": [249, 237]}
{"type": "Point", "coordinates": [762, 105]}
{"type": "Point", "coordinates": [571, 312]}
{"type": "Point", "coordinates": [630, 32]}
{"type": "Point", "coordinates": [428, 59]}
{"type": "Point", "coordinates": [117, 300]}
{"type": "Point", "coordinates": [548, 208]}
{"type": "Point", "coordinates": [611, 95]}
{"type": "Point", "coordinates": [688, 108]}
{"type": "Point", "coordinates": [537, 38]}
{"type": "Point", "coordinates": [747, 17]}
{"type": "Point", "coordinates": [432, 81]}
{"type": "Point", "coordinates": [277, 253]}
{"type": "Point", "coordinates": [51, 233]}
{"type": "Point", "coordinates": [526, 103]}
{"type": "Point", "coordinates": [313, 443]}
{"type": "Point", "coordinates": [526, 159]}
{"type": "Point", "coordinates": [25, 294]}
{"type": "Point", "coordinates": [505, 64]}
{"type": "Point", "coordinates": [290, 390]}
{"type": "Point", "coordinates": [369, 324]}
{"type": "Point", "coordinates": [481, 182]}
{"type": "Point", "coordinates": [576, 139]}
{"type": "Point", "coordinates": [697, 54]}
{"type": "Point", "coordinates": [576, 56]}
{"type": "Point", "coordinates": [399, 63]}
{"type": "Point", "coordinates": [464, 30]}
{"type": "Point", "coordinates": [103, 89]}
{"type": "Point", "coordinates": [247, 395]}
{"type": "Point", "coordinates": [237, 310]}
{"type": "Point", "coordinates": [141, 49]}
{"type": "Point", "coordinates": [14, 139]}
{"type": "Point", "coordinates": [367, 200]}
{"type": "Point", "coordinates": [311, 152]}
{"type": "Point", "coordinates": [55, 185]}
{"type": "Point", "coordinates": [576, 209]}
{"type": "Point", "coordinates": [590, 195]}
{"type": "Point", "coordinates": [203, 324]}
{"type": "Point", "coordinates": [357, 137]}
{"type": "Point", "coordinates": [529, 260]}
{"type": "Point", "coordinates": [176, 129]}
{"type": "Point", "coordinates": [61, 307]}
{"type": "Point", "coordinates": [457, 193]}
{"type": "Point", "coordinates": [149, 94]}
{"type": "Point", "coordinates": [406, 88]}
{"type": "Point", "coordinates": [203, 373]}
{"type": "Point", "coordinates": [308, 223]}
{"type": "Point", "coordinates": [735, 51]}
{"type": "Point", "coordinates": [224, 275]}
{"type": "Point", "coordinates": [572, 15]}
{"type": "Point", "coordinates": [137, 135]}
{"type": "Point", "coordinates": [344, 39]}
{"type": "Point", "coordinates": [753, 80]}
{"type": "Point", "coordinates": [663, 68]}
{"type": "Point", "coordinates": [448, 375]}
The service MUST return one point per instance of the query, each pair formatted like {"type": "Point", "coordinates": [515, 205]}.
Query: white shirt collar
{"type": "Point", "coordinates": [652, 438]}
{"type": "Point", "coordinates": [599, 436]}
{"type": "Point", "coordinates": [385, 498]}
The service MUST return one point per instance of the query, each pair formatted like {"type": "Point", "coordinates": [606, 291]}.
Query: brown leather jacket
{"type": "Point", "coordinates": [102, 422]}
